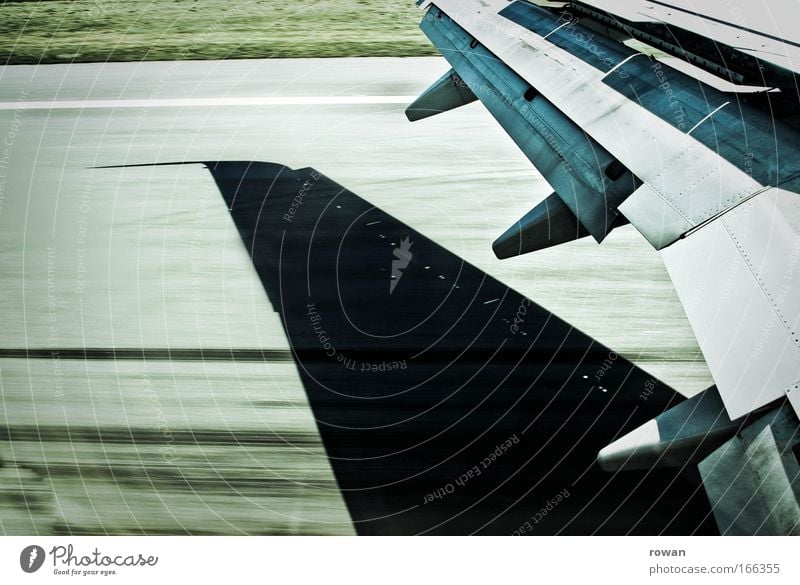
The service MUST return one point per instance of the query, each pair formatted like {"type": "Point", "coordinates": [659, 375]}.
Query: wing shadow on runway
{"type": "Point", "coordinates": [438, 415]}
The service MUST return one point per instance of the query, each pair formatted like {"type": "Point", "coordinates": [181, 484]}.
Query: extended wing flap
{"type": "Point", "coordinates": [739, 282]}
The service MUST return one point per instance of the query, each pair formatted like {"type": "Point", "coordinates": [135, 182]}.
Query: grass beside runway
{"type": "Point", "coordinates": [133, 30]}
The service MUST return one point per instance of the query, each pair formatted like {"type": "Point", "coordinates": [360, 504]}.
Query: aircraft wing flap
{"type": "Point", "coordinates": [670, 206]}
{"type": "Point", "coordinates": [738, 279]}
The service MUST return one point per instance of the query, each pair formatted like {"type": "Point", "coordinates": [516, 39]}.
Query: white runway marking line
{"type": "Point", "coordinates": [337, 100]}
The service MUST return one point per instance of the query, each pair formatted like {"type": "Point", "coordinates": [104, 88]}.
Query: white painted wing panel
{"type": "Point", "coordinates": [670, 205]}
{"type": "Point", "coordinates": [738, 279]}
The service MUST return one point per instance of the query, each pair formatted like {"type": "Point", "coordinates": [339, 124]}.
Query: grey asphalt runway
{"type": "Point", "coordinates": [149, 258]}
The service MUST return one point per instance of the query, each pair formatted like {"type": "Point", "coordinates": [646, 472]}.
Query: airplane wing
{"type": "Point", "coordinates": [628, 132]}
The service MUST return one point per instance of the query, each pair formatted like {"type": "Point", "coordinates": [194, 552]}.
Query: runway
{"type": "Point", "coordinates": [188, 414]}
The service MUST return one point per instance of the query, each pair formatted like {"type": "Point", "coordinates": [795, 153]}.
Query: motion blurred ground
{"type": "Point", "coordinates": [134, 30]}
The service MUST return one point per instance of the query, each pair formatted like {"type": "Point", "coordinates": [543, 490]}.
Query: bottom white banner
{"type": "Point", "coordinates": [398, 560]}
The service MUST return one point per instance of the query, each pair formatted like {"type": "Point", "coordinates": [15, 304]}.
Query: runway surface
{"type": "Point", "coordinates": [187, 412]}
